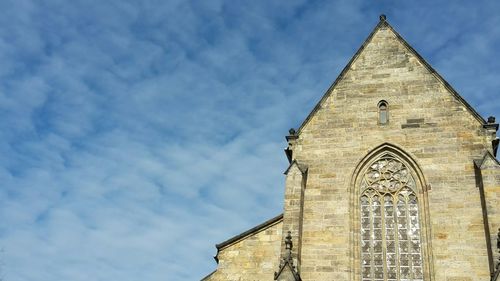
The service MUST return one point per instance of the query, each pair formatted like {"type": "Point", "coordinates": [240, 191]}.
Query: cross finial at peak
{"type": "Point", "coordinates": [383, 17]}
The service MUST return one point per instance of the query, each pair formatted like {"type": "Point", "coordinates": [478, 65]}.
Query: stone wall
{"type": "Point", "coordinates": [490, 184]}
{"type": "Point", "coordinates": [252, 258]}
{"type": "Point", "coordinates": [295, 180]}
{"type": "Point", "coordinates": [433, 130]}
{"type": "Point", "coordinates": [427, 121]}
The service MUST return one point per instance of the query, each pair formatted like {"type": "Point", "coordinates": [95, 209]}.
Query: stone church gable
{"type": "Point", "coordinates": [392, 177]}
{"type": "Point", "coordinates": [383, 55]}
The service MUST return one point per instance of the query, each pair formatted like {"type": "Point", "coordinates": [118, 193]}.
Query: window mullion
{"type": "Point", "coordinates": [396, 235]}
{"type": "Point", "coordinates": [372, 240]}
{"type": "Point", "coordinates": [408, 227]}
{"type": "Point", "coordinates": [384, 238]}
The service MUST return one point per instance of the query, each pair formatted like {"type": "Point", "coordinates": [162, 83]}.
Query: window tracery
{"type": "Point", "coordinates": [390, 223]}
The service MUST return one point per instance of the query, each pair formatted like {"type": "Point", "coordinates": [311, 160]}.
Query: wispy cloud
{"type": "Point", "coordinates": [135, 136]}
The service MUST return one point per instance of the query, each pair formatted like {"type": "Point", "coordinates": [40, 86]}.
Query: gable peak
{"type": "Point", "coordinates": [383, 25]}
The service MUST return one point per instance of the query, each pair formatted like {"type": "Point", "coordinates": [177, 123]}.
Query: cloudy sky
{"type": "Point", "coordinates": [135, 135]}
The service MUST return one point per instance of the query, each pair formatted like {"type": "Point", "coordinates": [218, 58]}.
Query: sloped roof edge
{"type": "Point", "coordinates": [383, 23]}
{"type": "Point", "coordinates": [253, 230]}
{"type": "Point", "coordinates": [440, 78]}
{"type": "Point", "coordinates": [302, 168]}
{"type": "Point", "coordinates": [290, 267]}
{"type": "Point", "coordinates": [210, 274]}
{"type": "Point", "coordinates": [479, 163]}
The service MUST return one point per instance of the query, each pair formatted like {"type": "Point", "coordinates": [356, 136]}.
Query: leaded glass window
{"type": "Point", "coordinates": [390, 224]}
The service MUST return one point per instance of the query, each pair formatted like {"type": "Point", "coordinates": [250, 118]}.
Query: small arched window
{"type": "Point", "coordinates": [383, 112]}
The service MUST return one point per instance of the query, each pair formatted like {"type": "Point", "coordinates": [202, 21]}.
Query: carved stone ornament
{"type": "Point", "coordinates": [287, 271]}
{"type": "Point", "coordinates": [387, 175]}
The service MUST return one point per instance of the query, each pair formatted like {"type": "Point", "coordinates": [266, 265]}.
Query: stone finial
{"type": "Point", "coordinates": [383, 17]}
{"type": "Point", "coordinates": [288, 241]}
{"type": "Point", "coordinates": [490, 124]}
{"type": "Point", "coordinates": [292, 135]}
{"type": "Point", "coordinates": [287, 263]}
{"type": "Point", "coordinates": [287, 259]}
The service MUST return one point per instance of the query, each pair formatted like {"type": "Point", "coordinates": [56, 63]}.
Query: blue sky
{"type": "Point", "coordinates": [135, 135]}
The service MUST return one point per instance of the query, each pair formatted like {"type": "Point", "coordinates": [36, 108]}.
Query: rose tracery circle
{"type": "Point", "coordinates": [387, 175]}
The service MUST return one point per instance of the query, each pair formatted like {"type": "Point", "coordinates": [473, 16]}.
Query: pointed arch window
{"type": "Point", "coordinates": [383, 112]}
{"type": "Point", "coordinates": [390, 223]}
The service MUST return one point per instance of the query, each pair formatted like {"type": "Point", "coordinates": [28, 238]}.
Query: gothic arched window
{"type": "Point", "coordinates": [383, 112]}
{"type": "Point", "coordinates": [390, 223]}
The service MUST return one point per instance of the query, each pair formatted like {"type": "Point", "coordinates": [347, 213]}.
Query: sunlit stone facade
{"type": "Point", "coordinates": [392, 177]}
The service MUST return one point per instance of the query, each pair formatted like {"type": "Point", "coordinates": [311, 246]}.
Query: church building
{"type": "Point", "coordinates": [393, 176]}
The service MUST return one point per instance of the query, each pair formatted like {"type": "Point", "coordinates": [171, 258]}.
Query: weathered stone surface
{"type": "Point", "coordinates": [490, 187]}
{"type": "Point", "coordinates": [430, 126]}
{"type": "Point", "coordinates": [253, 258]}
{"type": "Point", "coordinates": [444, 153]}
